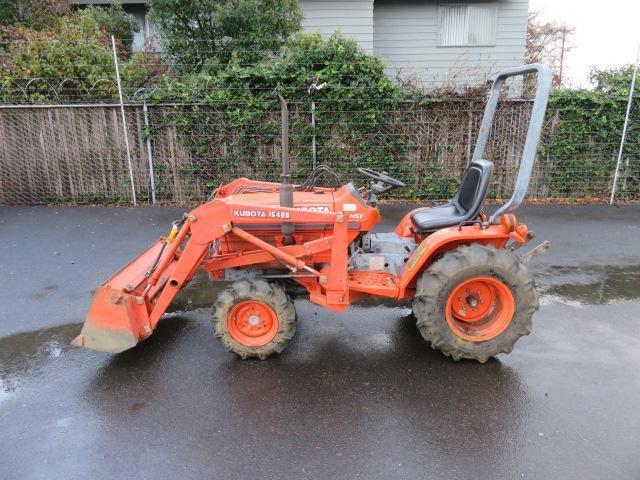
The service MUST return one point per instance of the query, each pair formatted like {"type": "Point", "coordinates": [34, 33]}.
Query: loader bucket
{"type": "Point", "coordinates": [109, 326]}
{"type": "Point", "coordinates": [118, 317]}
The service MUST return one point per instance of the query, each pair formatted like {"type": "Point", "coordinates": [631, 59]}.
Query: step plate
{"type": "Point", "coordinates": [376, 283]}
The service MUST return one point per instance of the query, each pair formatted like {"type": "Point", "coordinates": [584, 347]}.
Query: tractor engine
{"type": "Point", "coordinates": [382, 252]}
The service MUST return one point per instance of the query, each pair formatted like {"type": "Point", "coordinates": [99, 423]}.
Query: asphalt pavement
{"type": "Point", "coordinates": [355, 395]}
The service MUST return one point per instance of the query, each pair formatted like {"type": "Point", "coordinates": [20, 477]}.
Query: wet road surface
{"type": "Point", "coordinates": [356, 395]}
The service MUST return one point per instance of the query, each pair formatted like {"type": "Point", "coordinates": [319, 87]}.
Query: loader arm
{"type": "Point", "coordinates": [128, 306]}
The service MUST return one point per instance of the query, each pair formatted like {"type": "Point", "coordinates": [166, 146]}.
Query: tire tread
{"type": "Point", "coordinates": [433, 286]}
{"type": "Point", "coordinates": [270, 293]}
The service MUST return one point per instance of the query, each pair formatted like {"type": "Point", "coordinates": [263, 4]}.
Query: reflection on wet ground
{"type": "Point", "coordinates": [23, 356]}
{"type": "Point", "coordinates": [591, 285]}
{"type": "Point", "coordinates": [200, 293]}
{"type": "Point", "coordinates": [359, 393]}
{"type": "Point", "coordinates": [23, 353]}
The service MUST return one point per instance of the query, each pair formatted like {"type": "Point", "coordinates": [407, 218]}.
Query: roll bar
{"type": "Point", "coordinates": [543, 88]}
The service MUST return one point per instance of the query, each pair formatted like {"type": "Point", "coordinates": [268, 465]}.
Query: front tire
{"type": "Point", "coordinates": [475, 302]}
{"type": "Point", "coordinates": [254, 319]}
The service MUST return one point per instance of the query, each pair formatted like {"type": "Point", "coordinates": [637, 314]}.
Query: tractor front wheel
{"type": "Point", "coordinates": [254, 318]}
{"type": "Point", "coordinates": [475, 302]}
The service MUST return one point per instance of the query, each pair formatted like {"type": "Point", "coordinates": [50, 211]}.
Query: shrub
{"type": "Point", "coordinates": [68, 59]}
{"type": "Point", "coordinates": [32, 13]}
{"type": "Point", "coordinates": [586, 135]}
{"type": "Point", "coordinates": [238, 106]}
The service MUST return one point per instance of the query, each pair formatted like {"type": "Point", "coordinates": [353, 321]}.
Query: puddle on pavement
{"type": "Point", "coordinates": [200, 293]}
{"type": "Point", "coordinates": [592, 285]}
{"type": "Point", "coordinates": [22, 354]}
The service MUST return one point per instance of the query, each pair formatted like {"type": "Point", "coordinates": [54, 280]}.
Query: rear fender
{"type": "Point", "coordinates": [450, 239]}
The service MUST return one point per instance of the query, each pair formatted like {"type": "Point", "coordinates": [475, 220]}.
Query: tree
{"type": "Point", "coordinates": [47, 15]}
{"type": "Point", "coordinates": [196, 32]}
{"type": "Point", "coordinates": [615, 81]}
{"type": "Point", "coordinates": [68, 57]}
{"type": "Point", "coordinates": [548, 42]}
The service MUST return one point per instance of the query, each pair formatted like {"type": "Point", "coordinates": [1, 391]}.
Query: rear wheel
{"type": "Point", "coordinates": [475, 302]}
{"type": "Point", "coordinates": [254, 318]}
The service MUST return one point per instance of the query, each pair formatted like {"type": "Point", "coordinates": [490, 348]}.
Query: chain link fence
{"type": "Point", "coordinates": [102, 152]}
{"type": "Point", "coordinates": [69, 154]}
{"type": "Point", "coordinates": [77, 153]}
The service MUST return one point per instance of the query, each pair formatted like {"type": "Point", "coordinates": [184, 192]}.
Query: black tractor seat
{"type": "Point", "coordinates": [464, 207]}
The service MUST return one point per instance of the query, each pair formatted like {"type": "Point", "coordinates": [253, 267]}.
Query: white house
{"type": "Point", "coordinates": [433, 42]}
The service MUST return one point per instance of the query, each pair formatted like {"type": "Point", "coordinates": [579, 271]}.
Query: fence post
{"type": "Point", "coordinates": [149, 157]}
{"type": "Point", "coordinates": [624, 129]}
{"type": "Point", "coordinates": [313, 126]}
{"type": "Point", "coordinates": [313, 88]}
{"type": "Point", "coordinates": [124, 121]}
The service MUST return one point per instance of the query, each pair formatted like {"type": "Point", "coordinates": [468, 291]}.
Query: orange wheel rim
{"type": "Point", "coordinates": [480, 308]}
{"type": "Point", "coordinates": [252, 323]}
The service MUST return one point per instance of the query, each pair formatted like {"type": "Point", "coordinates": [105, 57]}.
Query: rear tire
{"type": "Point", "coordinates": [475, 302]}
{"type": "Point", "coordinates": [254, 319]}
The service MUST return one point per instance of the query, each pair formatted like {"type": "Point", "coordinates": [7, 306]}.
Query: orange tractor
{"type": "Point", "coordinates": [471, 295]}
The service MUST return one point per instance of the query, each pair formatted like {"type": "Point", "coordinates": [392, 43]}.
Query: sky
{"type": "Point", "coordinates": [607, 33]}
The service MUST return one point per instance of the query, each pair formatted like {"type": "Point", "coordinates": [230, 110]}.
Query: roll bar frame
{"type": "Point", "coordinates": [543, 89]}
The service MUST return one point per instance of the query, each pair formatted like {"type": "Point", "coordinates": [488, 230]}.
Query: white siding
{"type": "Point", "coordinates": [406, 36]}
{"type": "Point", "coordinates": [354, 18]}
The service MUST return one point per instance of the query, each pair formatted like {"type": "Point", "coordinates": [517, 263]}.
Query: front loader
{"type": "Point", "coordinates": [471, 295]}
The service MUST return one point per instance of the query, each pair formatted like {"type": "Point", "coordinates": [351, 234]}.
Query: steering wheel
{"type": "Point", "coordinates": [380, 177]}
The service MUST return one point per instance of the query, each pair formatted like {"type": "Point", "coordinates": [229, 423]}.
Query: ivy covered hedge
{"type": "Point", "coordinates": [231, 115]}
{"type": "Point", "coordinates": [226, 112]}
{"type": "Point", "coordinates": [585, 128]}
{"type": "Point", "coordinates": [230, 125]}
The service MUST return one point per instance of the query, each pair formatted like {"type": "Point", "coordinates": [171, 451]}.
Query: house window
{"type": "Point", "coordinates": [463, 25]}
